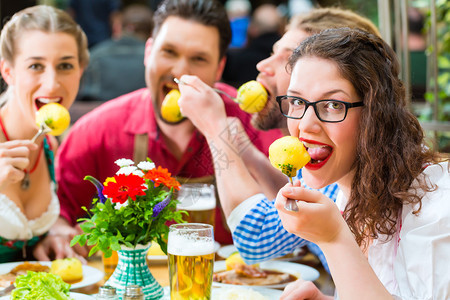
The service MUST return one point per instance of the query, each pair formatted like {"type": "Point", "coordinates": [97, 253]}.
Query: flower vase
{"type": "Point", "coordinates": [132, 269]}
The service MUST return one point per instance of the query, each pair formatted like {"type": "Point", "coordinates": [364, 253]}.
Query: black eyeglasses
{"type": "Point", "coordinates": [332, 111]}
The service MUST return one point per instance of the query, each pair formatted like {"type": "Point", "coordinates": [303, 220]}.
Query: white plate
{"type": "Point", "coordinates": [298, 270]}
{"type": "Point", "coordinates": [226, 251]}
{"type": "Point", "coordinates": [270, 294]}
{"type": "Point", "coordinates": [90, 275]}
{"type": "Point", "coordinates": [75, 296]}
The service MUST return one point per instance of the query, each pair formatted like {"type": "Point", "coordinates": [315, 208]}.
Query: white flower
{"type": "Point", "coordinates": [119, 205]}
{"type": "Point", "coordinates": [139, 173]}
{"type": "Point", "coordinates": [146, 165]}
{"type": "Point", "coordinates": [124, 162]}
{"type": "Point", "coordinates": [126, 170]}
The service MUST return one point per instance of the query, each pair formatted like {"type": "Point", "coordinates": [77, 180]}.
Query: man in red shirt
{"type": "Point", "coordinates": [189, 37]}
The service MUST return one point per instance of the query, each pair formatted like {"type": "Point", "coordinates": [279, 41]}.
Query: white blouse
{"type": "Point", "coordinates": [415, 263]}
{"type": "Point", "coordinates": [15, 225]}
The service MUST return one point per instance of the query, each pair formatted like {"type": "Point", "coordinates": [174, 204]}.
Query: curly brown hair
{"type": "Point", "coordinates": [391, 151]}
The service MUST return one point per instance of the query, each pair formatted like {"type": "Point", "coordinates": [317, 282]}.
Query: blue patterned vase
{"type": "Point", "coordinates": [132, 269]}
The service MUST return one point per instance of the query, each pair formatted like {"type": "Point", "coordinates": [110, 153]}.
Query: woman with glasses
{"type": "Point", "coordinates": [388, 235]}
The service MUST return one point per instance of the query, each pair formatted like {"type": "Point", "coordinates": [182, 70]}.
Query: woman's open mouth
{"type": "Point", "coordinates": [320, 153]}
{"type": "Point", "coordinates": [41, 101]}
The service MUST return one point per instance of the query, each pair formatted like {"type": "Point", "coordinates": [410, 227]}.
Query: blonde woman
{"type": "Point", "coordinates": [43, 54]}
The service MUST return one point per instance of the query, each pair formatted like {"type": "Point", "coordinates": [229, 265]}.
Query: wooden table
{"type": "Point", "coordinates": [160, 272]}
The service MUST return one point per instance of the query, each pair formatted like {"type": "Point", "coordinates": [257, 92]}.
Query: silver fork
{"type": "Point", "coordinates": [291, 204]}
{"type": "Point", "coordinates": [43, 129]}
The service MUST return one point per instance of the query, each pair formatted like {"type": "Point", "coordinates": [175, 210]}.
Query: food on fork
{"type": "Point", "coordinates": [55, 116]}
{"type": "Point", "coordinates": [70, 269]}
{"type": "Point", "coordinates": [170, 111]}
{"type": "Point", "coordinates": [288, 155]}
{"type": "Point", "coordinates": [252, 97]}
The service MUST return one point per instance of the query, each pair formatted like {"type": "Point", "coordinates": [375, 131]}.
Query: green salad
{"type": "Point", "coordinates": [40, 285]}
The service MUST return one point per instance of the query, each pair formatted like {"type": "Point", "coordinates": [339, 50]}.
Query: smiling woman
{"type": "Point", "coordinates": [390, 212]}
{"type": "Point", "coordinates": [42, 56]}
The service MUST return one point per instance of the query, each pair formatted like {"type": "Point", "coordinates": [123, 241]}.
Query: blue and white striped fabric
{"type": "Point", "coordinates": [259, 234]}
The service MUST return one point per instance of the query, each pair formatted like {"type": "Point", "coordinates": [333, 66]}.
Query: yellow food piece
{"type": "Point", "coordinates": [288, 155]}
{"type": "Point", "coordinates": [170, 111]}
{"type": "Point", "coordinates": [155, 249]}
{"type": "Point", "coordinates": [233, 260]}
{"type": "Point", "coordinates": [55, 116]}
{"type": "Point", "coordinates": [70, 269]}
{"type": "Point", "coordinates": [252, 97]}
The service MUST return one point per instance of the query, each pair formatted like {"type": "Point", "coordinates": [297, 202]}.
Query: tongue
{"type": "Point", "coordinates": [319, 153]}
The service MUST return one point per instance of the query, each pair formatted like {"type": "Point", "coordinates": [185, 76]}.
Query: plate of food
{"type": "Point", "coordinates": [270, 274]}
{"type": "Point", "coordinates": [73, 296]}
{"type": "Point", "coordinates": [70, 270]}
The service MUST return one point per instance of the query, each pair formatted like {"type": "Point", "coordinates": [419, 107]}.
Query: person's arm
{"type": "Point", "coordinates": [258, 165]}
{"type": "Point", "coordinates": [319, 221]}
{"type": "Point", "coordinates": [258, 233]}
{"type": "Point", "coordinates": [235, 183]}
{"type": "Point", "coordinates": [301, 289]}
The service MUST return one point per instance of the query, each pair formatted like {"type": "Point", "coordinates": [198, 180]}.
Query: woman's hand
{"type": "Point", "coordinates": [303, 290]}
{"type": "Point", "coordinates": [202, 106]}
{"type": "Point", "coordinates": [14, 158]}
{"type": "Point", "coordinates": [56, 244]}
{"type": "Point", "coordinates": [318, 219]}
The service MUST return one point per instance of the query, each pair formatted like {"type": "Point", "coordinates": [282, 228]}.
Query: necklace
{"type": "Point", "coordinates": [25, 185]}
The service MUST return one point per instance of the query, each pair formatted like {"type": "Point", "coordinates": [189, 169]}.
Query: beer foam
{"type": "Point", "coordinates": [197, 204]}
{"type": "Point", "coordinates": [189, 246]}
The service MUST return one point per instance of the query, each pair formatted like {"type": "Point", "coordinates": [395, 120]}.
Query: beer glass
{"type": "Point", "coordinates": [199, 200]}
{"type": "Point", "coordinates": [110, 264]}
{"type": "Point", "coordinates": [190, 251]}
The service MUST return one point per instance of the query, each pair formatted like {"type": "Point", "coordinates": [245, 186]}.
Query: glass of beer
{"type": "Point", "coordinates": [110, 264]}
{"type": "Point", "coordinates": [190, 251]}
{"type": "Point", "coordinates": [199, 200]}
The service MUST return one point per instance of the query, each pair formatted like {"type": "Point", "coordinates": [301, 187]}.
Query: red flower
{"type": "Point", "coordinates": [124, 187]}
{"type": "Point", "coordinates": [162, 176]}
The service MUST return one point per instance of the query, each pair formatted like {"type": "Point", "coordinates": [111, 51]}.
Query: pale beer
{"type": "Point", "coordinates": [202, 211]}
{"type": "Point", "coordinates": [199, 201]}
{"type": "Point", "coordinates": [191, 261]}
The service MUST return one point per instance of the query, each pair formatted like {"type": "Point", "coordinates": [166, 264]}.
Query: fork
{"type": "Point", "coordinates": [43, 129]}
{"type": "Point", "coordinates": [291, 204]}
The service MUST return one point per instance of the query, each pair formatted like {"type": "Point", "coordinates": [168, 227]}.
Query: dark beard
{"type": "Point", "coordinates": [271, 120]}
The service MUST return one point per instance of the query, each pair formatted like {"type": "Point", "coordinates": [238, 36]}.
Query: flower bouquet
{"type": "Point", "coordinates": [131, 211]}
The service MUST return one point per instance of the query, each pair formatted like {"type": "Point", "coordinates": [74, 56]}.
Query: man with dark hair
{"type": "Point", "coordinates": [189, 37]}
